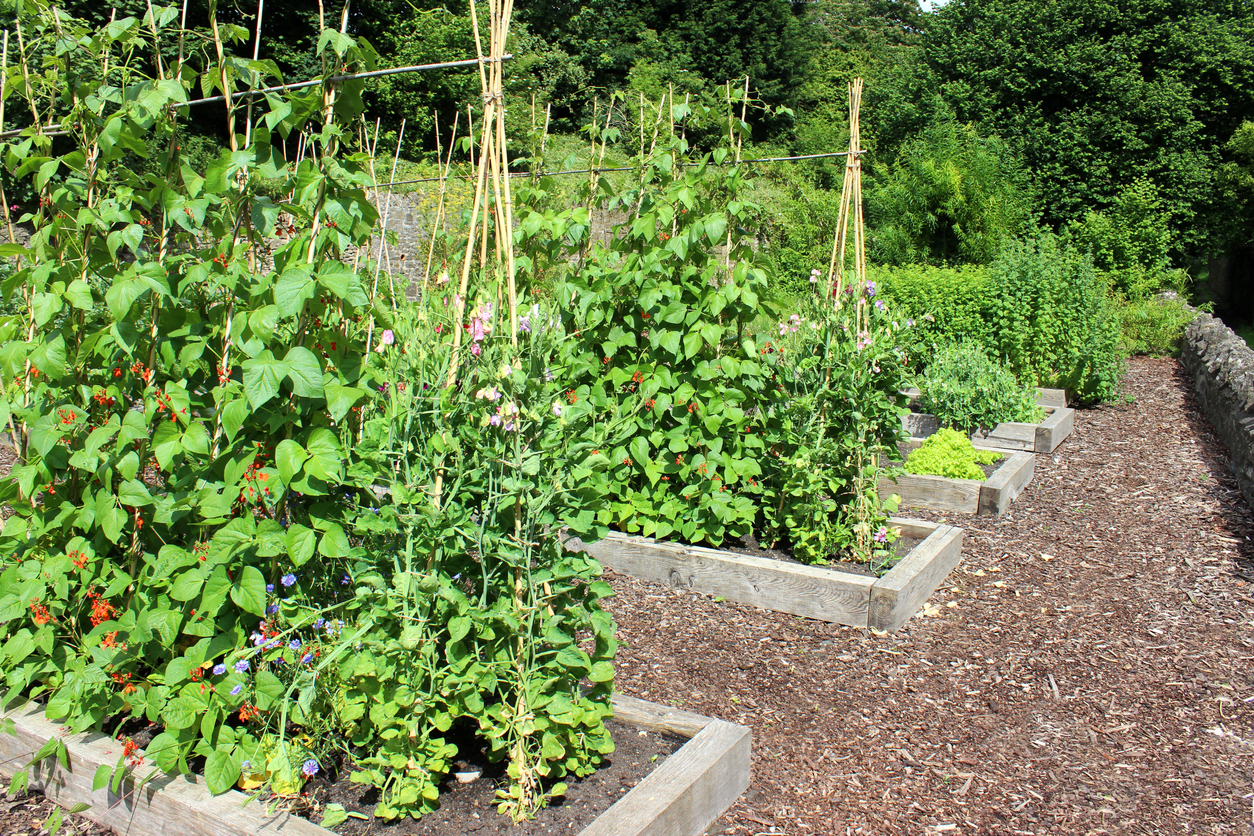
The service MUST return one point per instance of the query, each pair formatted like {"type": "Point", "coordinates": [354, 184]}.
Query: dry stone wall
{"type": "Point", "coordinates": [1221, 367]}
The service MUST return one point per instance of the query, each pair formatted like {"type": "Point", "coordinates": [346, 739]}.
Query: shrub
{"type": "Point", "coordinates": [951, 454]}
{"type": "Point", "coordinates": [945, 304]}
{"type": "Point", "coordinates": [1053, 322]}
{"type": "Point", "coordinates": [1155, 326]}
{"type": "Point", "coordinates": [966, 389]}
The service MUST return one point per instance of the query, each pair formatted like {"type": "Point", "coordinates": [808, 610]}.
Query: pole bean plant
{"type": "Point", "coordinates": [249, 510]}
{"type": "Point", "coordinates": [714, 414]}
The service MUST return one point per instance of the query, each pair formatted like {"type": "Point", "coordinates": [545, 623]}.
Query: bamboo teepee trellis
{"type": "Point", "coordinates": [850, 199]}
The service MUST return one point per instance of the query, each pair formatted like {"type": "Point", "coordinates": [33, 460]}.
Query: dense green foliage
{"type": "Point", "coordinates": [943, 304]}
{"type": "Point", "coordinates": [966, 389]}
{"type": "Point", "coordinates": [951, 454]}
{"type": "Point", "coordinates": [1053, 322]}
{"type": "Point", "coordinates": [249, 509]}
{"type": "Point", "coordinates": [1096, 97]}
{"type": "Point", "coordinates": [950, 196]}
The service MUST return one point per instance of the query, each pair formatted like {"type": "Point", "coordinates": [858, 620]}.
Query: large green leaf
{"type": "Point", "coordinates": [305, 372]}
{"type": "Point", "coordinates": [249, 592]}
{"type": "Point", "coordinates": [262, 376]}
{"type": "Point", "coordinates": [289, 456]}
{"type": "Point", "coordinates": [301, 542]}
{"type": "Point", "coordinates": [221, 772]}
{"type": "Point", "coordinates": [294, 288]}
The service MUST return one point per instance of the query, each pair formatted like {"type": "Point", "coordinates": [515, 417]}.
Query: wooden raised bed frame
{"type": "Point", "coordinates": [817, 592]}
{"type": "Point", "coordinates": [1012, 435]}
{"type": "Point", "coordinates": [964, 496]}
{"type": "Point", "coordinates": [682, 797]}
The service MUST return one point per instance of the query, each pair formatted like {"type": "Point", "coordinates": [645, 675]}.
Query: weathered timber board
{"type": "Point", "coordinates": [1054, 430]}
{"type": "Point", "coordinates": [934, 492]}
{"type": "Point", "coordinates": [1012, 435]}
{"type": "Point", "coordinates": [962, 496]}
{"type": "Point", "coordinates": [1006, 482]}
{"type": "Point", "coordinates": [691, 788]}
{"type": "Point", "coordinates": [682, 797]}
{"type": "Point", "coordinates": [822, 593]}
{"type": "Point", "coordinates": [901, 593]}
{"type": "Point", "coordinates": [166, 805]}
{"type": "Point", "coordinates": [810, 591]}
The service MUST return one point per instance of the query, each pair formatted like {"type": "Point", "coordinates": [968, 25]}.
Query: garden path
{"type": "Point", "coordinates": [1086, 669]}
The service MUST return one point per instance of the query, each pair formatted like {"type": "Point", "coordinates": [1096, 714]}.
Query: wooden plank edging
{"type": "Point", "coordinates": [901, 593]}
{"type": "Point", "coordinates": [817, 592]}
{"type": "Point", "coordinates": [963, 496]}
{"type": "Point", "coordinates": [682, 797]}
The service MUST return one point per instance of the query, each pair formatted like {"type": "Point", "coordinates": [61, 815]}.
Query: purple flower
{"type": "Point", "coordinates": [241, 666]}
{"type": "Point", "coordinates": [345, 581]}
{"type": "Point", "coordinates": [306, 659]}
{"type": "Point", "coordinates": [246, 765]}
{"type": "Point", "coordinates": [317, 625]}
{"type": "Point", "coordinates": [288, 579]}
{"type": "Point", "coordinates": [219, 669]}
{"type": "Point", "coordinates": [269, 587]}
{"type": "Point", "coordinates": [494, 420]}
{"type": "Point", "coordinates": [235, 691]}
{"type": "Point", "coordinates": [557, 409]}
{"type": "Point", "coordinates": [814, 276]}
{"type": "Point", "coordinates": [310, 768]}
{"type": "Point", "coordinates": [909, 323]}
{"type": "Point", "coordinates": [879, 304]}
{"type": "Point", "coordinates": [272, 609]}
{"type": "Point", "coordinates": [387, 337]}
{"type": "Point", "coordinates": [524, 324]}
{"type": "Point", "coordinates": [881, 536]}
{"type": "Point", "coordinates": [294, 644]}
{"type": "Point", "coordinates": [870, 289]}
{"type": "Point", "coordinates": [258, 639]}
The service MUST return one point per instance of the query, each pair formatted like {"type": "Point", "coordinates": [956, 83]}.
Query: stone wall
{"type": "Point", "coordinates": [1221, 367]}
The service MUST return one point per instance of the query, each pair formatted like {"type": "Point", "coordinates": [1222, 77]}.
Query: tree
{"type": "Point", "coordinates": [1096, 95]}
{"type": "Point", "coordinates": [951, 196]}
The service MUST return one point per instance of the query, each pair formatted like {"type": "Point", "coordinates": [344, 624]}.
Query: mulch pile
{"type": "Point", "coordinates": [1085, 670]}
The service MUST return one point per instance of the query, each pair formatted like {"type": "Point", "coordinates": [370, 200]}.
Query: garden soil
{"type": "Point", "coordinates": [1085, 670]}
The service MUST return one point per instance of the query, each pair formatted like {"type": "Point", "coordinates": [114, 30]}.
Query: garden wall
{"type": "Point", "coordinates": [1221, 367]}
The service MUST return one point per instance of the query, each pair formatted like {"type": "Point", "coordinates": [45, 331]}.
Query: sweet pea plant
{"type": "Point", "coordinates": [842, 371]}
{"type": "Point", "coordinates": [250, 510]}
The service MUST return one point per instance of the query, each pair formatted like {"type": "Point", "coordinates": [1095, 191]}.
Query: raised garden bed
{"type": "Point", "coordinates": [824, 593]}
{"type": "Point", "coordinates": [683, 796]}
{"type": "Point", "coordinates": [963, 496]}
{"type": "Point", "coordinates": [1043, 437]}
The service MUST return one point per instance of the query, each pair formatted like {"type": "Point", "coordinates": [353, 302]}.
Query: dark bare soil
{"type": "Point", "coordinates": [750, 546]}
{"type": "Point", "coordinates": [471, 808]}
{"type": "Point", "coordinates": [1086, 670]}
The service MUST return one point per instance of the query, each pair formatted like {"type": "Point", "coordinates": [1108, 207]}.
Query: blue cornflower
{"type": "Point", "coordinates": [235, 691]}
{"type": "Point", "coordinates": [306, 659]}
{"type": "Point", "coordinates": [241, 666]}
{"type": "Point", "coordinates": [269, 587]}
{"type": "Point", "coordinates": [272, 609]}
{"type": "Point", "coordinates": [310, 768]}
{"type": "Point", "coordinates": [345, 581]}
{"type": "Point", "coordinates": [294, 644]}
{"type": "Point", "coordinates": [288, 579]}
{"type": "Point", "coordinates": [317, 625]}
{"type": "Point", "coordinates": [219, 669]}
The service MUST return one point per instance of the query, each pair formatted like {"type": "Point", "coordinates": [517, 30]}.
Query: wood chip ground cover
{"type": "Point", "coordinates": [1086, 670]}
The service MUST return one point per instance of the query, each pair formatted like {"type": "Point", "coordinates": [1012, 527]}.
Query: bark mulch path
{"type": "Point", "coordinates": [1086, 669]}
